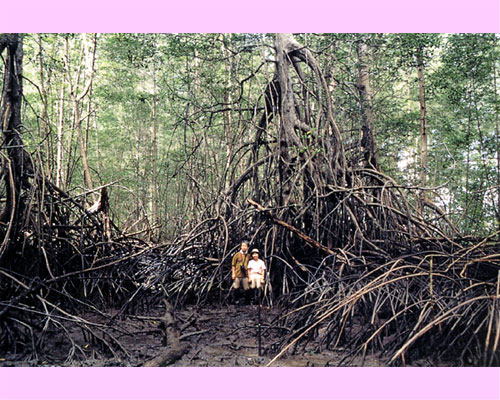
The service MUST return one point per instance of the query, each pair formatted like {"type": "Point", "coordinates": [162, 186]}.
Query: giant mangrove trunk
{"type": "Point", "coordinates": [16, 163]}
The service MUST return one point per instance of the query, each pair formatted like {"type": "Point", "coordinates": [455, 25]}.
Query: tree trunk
{"type": "Point", "coordinates": [16, 162]}
{"type": "Point", "coordinates": [154, 151]}
{"type": "Point", "coordinates": [76, 101]}
{"type": "Point", "coordinates": [423, 127]}
{"type": "Point", "coordinates": [286, 130]}
{"type": "Point", "coordinates": [368, 142]}
{"type": "Point", "coordinates": [229, 136]}
{"type": "Point", "coordinates": [60, 137]}
{"type": "Point", "coordinates": [46, 131]}
{"type": "Point", "coordinates": [497, 141]}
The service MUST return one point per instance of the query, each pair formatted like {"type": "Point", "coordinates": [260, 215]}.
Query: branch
{"type": "Point", "coordinates": [291, 228]}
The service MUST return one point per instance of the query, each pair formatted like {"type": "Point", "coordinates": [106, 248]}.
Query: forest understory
{"type": "Point", "coordinates": [362, 270]}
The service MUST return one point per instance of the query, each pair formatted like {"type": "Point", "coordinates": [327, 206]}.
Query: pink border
{"type": "Point", "coordinates": [227, 383]}
{"type": "Point", "coordinates": [250, 16]}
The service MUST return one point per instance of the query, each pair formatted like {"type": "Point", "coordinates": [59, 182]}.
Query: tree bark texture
{"type": "Point", "coordinates": [497, 141]}
{"type": "Point", "coordinates": [16, 162]}
{"type": "Point", "coordinates": [368, 142]}
{"type": "Point", "coordinates": [76, 99]}
{"type": "Point", "coordinates": [287, 136]}
{"type": "Point", "coordinates": [423, 126]}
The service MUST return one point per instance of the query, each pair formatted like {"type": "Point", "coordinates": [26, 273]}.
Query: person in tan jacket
{"type": "Point", "coordinates": [239, 269]}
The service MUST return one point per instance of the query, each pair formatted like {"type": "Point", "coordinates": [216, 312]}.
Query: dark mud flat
{"type": "Point", "coordinates": [216, 337]}
{"type": "Point", "coordinates": [231, 340]}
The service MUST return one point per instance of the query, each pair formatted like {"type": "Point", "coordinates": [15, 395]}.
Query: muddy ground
{"type": "Point", "coordinates": [224, 336]}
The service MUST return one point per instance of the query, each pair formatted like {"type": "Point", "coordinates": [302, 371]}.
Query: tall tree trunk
{"type": "Point", "coordinates": [60, 138]}
{"type": "Point", "coordinates": [423, 126]}
{"type": "Point", "coordinates": [286, 130]}
{"type": "Point", "coordinates": [467, 162]}
{"type": "Point", "coordinates": [497, 141]}
{"type": "Point", "coordinates": [368, 142]}
{"type": "Point", "coordinates": [154, 151]}
{"type": "Point", "coordinates": [90, 51]}
{"type": "Point", "coordinates": [16, 163]}
{"type": "Point", "coordinates": [46, 132]}
{"type": "Point", "coordinates": [76, 99]}
{"type": "Point", "coordinates": [228, 122]}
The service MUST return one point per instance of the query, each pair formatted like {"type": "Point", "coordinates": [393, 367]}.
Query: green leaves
{"type": "Point", "coordinates": [207, 90]}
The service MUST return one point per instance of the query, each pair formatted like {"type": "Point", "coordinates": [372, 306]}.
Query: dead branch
{"type": "Point", "coordinates": [175, 349]}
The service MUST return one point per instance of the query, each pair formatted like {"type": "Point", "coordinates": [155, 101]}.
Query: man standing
{"type": "Point", "coordinates": [239, 268]}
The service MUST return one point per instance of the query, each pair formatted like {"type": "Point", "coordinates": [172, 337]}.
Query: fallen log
{"type": "Point", "coordinates": [174, 349]}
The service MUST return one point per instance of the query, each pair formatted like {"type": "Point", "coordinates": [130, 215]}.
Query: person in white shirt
{"type": "Point", "coordinates": [256, 270]}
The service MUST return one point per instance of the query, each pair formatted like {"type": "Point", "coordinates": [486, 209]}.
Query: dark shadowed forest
{"type": "Point", "coordinates": [365, 168]}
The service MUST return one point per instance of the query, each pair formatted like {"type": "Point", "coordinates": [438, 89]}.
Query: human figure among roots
{"type": "Point", "coordinates": [239, 272]}
{"type": "Point", "coordinates": [256, 274]}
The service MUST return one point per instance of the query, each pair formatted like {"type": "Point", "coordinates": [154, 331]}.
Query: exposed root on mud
{"type": "Point", "coordinates": [175, 349]}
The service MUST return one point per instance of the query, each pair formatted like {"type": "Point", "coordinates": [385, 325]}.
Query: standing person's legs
{"type": "Point", "coordinates": [252, 290]}
{"type": "Point", "coordinates": [236, 283]}
{"type": "Point", "coordinates": [246, 290]}
{"type": "Point", "coordinates": [240, 287]}
{"type": "Point", "coordinates": [235, 288]}
{"type": "Point", "coordinates": [256, 285]}
{"type": "Point", "coordinates": [256, 281]}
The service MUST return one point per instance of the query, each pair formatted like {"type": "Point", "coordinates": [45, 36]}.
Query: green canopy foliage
{"type": "Point", "coordinates": [170, 117]}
